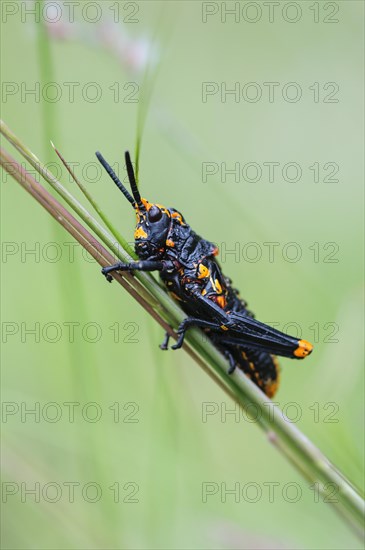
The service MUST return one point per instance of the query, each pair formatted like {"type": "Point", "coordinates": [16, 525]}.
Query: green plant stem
{"type": "Point", "coordinates": [46, 75]}
{"type": "Point", "coordinates": [296, 447]}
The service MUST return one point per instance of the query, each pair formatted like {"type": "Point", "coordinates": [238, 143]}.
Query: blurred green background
{"type": "Point", "coordinates": [137, 449]}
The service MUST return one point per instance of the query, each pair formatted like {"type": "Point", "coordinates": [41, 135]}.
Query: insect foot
{"type": "Point", "coordinates": [108, 277]}
{"type": "Point", "coordinates": [107, 270]}
{"type": "Point", "coordinates": [165, 343]}
{"type": "Point", "coordinates": [232, 362]}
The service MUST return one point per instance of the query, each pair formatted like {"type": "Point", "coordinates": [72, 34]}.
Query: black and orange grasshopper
{"type": "Point", "coordinates": [188, 266]}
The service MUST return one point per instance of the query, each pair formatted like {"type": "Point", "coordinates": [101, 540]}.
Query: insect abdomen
{"type": "Point", "coordinates": [261, 367]}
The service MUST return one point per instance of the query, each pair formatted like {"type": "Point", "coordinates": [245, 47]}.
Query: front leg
{"type": "Point", "coordinates": [143, 265]}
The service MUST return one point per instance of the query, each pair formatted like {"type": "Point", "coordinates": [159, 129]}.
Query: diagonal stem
{"type": "Point", "coordinates": [294, 445]}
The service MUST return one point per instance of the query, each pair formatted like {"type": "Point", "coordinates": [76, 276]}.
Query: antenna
{"type": "Point", "coordinates": [132, 181]}
{"type": "Point", "coordinates": [115, 178]}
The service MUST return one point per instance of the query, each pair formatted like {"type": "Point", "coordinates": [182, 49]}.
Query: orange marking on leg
{"type": "Point", "coordinates": [217, 286]}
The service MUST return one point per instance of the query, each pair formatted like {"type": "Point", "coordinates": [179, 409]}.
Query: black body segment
{"type": "Point", "coordinates": [188, 267]}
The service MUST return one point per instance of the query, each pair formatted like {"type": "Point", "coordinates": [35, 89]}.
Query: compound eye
{"type": "Point", "coordinates": [154, 214]}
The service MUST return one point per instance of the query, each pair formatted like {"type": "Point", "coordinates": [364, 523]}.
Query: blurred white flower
{"type": "Point", "coordinates": [133, 53]}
